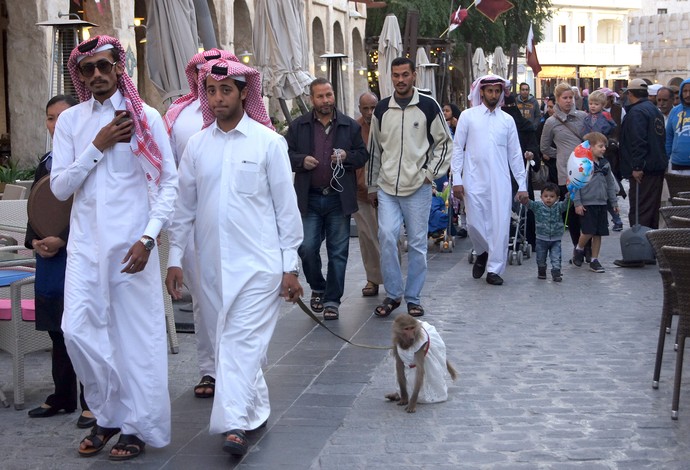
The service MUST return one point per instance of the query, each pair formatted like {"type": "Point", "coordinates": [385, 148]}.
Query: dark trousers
{"type": "Point", "coordinates": [65, 379]}
{"type": "Point", "coordinates": [649, 200]}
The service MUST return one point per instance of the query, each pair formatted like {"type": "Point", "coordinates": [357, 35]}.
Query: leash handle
{"type": "Point", "coordinates": [311, 315]}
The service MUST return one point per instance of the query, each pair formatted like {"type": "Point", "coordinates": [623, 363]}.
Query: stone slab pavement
{"type": "Point", "coordinates": [552, 376]}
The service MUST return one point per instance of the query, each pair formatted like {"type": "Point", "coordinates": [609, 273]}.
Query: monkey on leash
{"type": "Point", "coordinates": [420, 356]}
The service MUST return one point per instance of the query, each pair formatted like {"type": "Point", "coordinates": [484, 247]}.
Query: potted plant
{"type": "Point", "coordinates": [9, 173]}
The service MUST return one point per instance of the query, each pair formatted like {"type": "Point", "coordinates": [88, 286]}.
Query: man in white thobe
{"type": "Point", "coordinates": [121, 173]}
{"type": "Point", "coordinates": [236, 194]}
{"type": "Point", "coordinates": [184, 119]}
{"type": "Point", "coordinates": [485, 150]}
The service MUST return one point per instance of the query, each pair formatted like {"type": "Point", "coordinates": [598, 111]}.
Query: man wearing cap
{"type": "Point", "coordinates": [409, 147]}
{"type": "Point", "coordinates": [121, 172]}
{"type": "Point", "coordinates": [678, 132]}
{"type": "Point", "coordinates": [184, 119]}
{"type": "Point", "coordinates": [236, 195]}
{"type": "Point", "coordinates": [486, 149]}
{"type": "Point", "coordinates": [325, 148]}
{"type": "Point", "coordinates": [643, 156]}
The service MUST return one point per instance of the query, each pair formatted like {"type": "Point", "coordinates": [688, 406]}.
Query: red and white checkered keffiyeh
{"type": "Point", "coordinates": [253, 103]}
{"type": "Point", "coordinates": [147, 150]}
{"type": "Point", "coordinates": [192, 71]}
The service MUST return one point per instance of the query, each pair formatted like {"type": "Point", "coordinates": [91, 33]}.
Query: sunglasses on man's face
{"type": "Point", "coordinates": [103, 66]}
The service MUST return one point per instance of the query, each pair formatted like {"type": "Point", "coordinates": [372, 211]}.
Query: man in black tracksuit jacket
{"type": "Point", "coordinates": [643, 154]}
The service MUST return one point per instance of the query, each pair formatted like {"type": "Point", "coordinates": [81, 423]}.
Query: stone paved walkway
{"type": "Point", "coordinates": [552, 376]}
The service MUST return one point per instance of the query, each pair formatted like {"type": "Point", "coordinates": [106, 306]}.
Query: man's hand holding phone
{"type": "Point", "coordinates": [118, 130]}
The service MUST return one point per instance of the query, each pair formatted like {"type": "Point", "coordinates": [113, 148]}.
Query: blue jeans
{"type": "Point", "coordinates": [413, 210]}
{"type": "Point", "coordinates": [325, 220]}
{"type": "Point", "coordinates": [553, 248]}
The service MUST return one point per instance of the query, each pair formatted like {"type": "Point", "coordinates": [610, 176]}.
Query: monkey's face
{"type": "Point", "coordinates": [407, 336]}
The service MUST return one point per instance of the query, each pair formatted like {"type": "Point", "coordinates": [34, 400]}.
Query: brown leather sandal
{"type": "Point", "coordinates": [386, 307]}
{"type": "Point", "coordinates": [370, 289]}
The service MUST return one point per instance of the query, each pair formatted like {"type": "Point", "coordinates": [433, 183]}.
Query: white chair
{"type": "Point", "coordinates": [14, 192]}
{"type": "Point", "coordinates": [19, 337]}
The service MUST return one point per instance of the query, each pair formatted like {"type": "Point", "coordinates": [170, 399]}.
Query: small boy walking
{"type": "Point", "coordinates": [549, 227]}
{"type": "Point", "coordinates": [598, 120]}
{"type": "Point", "coordinates": [591, 201]}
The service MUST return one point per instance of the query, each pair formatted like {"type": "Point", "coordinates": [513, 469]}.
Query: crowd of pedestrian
{"type": "Point", "coordinates": [217, 176]}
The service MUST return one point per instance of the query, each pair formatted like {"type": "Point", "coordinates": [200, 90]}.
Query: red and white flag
{"type": "Point", "coordinates": [457, 18]}
{"type": "Point", "coordinates": [531, 53]}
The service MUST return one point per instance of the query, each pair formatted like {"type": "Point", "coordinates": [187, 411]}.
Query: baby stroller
{"type": "Point", "coordinates": [518, 247]}
{"type": "Point", "coordinates": [441, 220]}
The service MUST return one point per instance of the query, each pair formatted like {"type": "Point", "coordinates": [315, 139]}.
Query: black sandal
{"type": "Point", "coordinates": [236, 442]}
{"type": "Point", "coordinates": [206, 382]}
{"type": "Point", "coordinates": [97, 443]}
{"type": "Point", "coordinates": [315, 302]}
{"type": "Point", "coordinates": [415, 310]}
{"type": "Point", "coordinates": [129, 443]}
{"type": "Point", "coordinates": [386, 307]}
{"type": "Point", "coordinates": [330, 313]}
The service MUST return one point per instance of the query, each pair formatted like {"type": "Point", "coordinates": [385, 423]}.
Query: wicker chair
{"type": "Point", "coordinates": [677, 183]}
{"type": "Point", "coordinates": [19, 337]}
{"type": "Point", "coordinates": [679, 261]}
{"type": "Point", "coordinates": [668, 211]}
{"type": "Point", "coordinates": [679, 222]}
{"type": "Point", "coordinates": [659, 239]}
{"type": "Point", "coordinates": [679, 201]}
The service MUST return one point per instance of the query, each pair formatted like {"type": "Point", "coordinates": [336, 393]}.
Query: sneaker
{"type": "Point", "coordinates": [556, 275]}
{"type": "Point", "coordinates": [578, 257]}
{"type": "Point", "coordinates": [596, 266]}
{"type": "Point", "coordinates": [617, 227]}
{"type": "Point", "coordinates": [541, 272]}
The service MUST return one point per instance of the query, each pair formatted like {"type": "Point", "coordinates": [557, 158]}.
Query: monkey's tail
{"type": "Point", "coordinates": [451, 370]}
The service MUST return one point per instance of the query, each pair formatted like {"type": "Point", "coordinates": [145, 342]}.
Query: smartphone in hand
{"type": "Point", "coordinates": [124, 116]}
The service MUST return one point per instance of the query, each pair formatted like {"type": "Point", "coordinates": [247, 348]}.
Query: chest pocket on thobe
{"type": "Point", "coordinates": [121, 158]}
{"type": "Point", "coordinates": [247, 177]}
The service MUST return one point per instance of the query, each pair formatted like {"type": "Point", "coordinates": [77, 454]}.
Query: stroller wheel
{"type": "Point", "coordinates": [471, 257]}
{"type": "Point", "coordinates": [512, 259]}
{"type": "Point", "coordinates": [527, 250]}
{"type": "Point", "coordinates": [519, 258]}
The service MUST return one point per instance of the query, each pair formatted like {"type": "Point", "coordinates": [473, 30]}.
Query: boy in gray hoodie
{"type": "Point", "coordinates": [591, 201]}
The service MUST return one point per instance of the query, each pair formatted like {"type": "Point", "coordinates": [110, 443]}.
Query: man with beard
{"type": "Point", "coordinates": [678, 132]}
{"type": "Point", "coordinates": [486, 150]}
{"type": "Point", "coordinates": [410, 144]}
{"type": "Point", "coordinates": [111, 152]}
{"type": "Point", "coordinates": [528, 105]}
{"type": "Point", "coordinates": [236, 195]}
{"type": "Point", "coordinates": [325, 148]}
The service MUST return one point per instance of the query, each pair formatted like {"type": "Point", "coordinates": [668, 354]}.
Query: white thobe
{"type": "Point", "coordinates": [114, 323]}
{"type": "Point", "coordinates": [189, 122]}
{"type": "Point", "coordinates": [236, 192]}
{"type": "Point", "coordinates": [486, 149]}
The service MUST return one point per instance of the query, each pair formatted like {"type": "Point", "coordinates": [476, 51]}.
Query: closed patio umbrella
{"type": "Point", "coordinates": [171, 40]}
{"type": "Point", "coordinates": [500, 66]}
{"type": "Point", "coordinates": [479, 65]}
{"type": "Point", "coordinates": [390, 47]}
{"type": "Point", "coordinates": [426, 72]}
{"type": "Point", "coordinates": [281, 50]}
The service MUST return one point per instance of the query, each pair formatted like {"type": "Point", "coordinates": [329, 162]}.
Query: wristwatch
{"type": "Point", "coordinates": [148, 242]}
{"type": "Point", "coordinates": [294, 271]}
